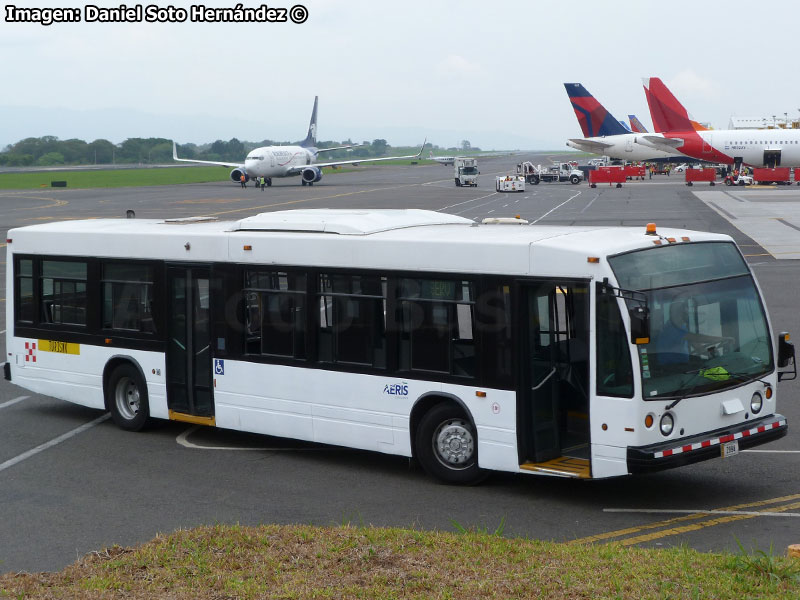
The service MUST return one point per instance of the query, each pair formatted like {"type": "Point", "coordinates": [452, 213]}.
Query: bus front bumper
{"type": "Point", "coordinates": [674, 453]}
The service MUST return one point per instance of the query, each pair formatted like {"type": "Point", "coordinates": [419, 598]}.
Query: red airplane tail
{"type": "Point", "coordinates": [667, 113]}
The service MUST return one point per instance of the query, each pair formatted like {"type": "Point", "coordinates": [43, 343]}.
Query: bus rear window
{"type": "Point", "coordinates": [679, 264]}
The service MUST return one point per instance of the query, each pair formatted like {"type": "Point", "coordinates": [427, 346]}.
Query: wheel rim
{"type": "Point", "coordinates": [454, 444]}
{"type": "Point", "coordinates": [127, 398]}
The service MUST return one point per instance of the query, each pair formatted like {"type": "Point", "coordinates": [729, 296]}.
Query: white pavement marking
{"type": "Point", "coordinates": [774, 451]}
{"type": "Point", "coordinates": [2, 332]}
{"type": "Point", "coordinates": [62, 438]}
{"type": "Point", "coordinates": [590, 203]}
{"type": "Point", "coordinates": [661, 511]}
{"type": "Point", "coordinates": [14, 401]}
{"type": "Point", "coordinates": [555, 208]}
{"type": "Point", "coordinates": [467, 201]}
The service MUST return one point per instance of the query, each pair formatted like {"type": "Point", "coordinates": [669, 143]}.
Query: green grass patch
{"type": "Point", "coordinates": [366, 562]}
{"type": "Point", "coordinates": [114, 177]}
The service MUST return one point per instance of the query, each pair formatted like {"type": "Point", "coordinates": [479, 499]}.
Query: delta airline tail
{"type": "Point", "coordinates": [594, 119]}
{"type": "Point", "coordinates": [636, 124]}
{"type": "Point", "coordinates": [311, 137]}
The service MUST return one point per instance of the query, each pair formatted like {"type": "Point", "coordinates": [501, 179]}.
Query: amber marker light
{"type": "Point", "coordinates": [480, 394]}
{"type": "Point", "coordinates": [604, 427]}
{"type": "Point", "coordinates": [108, 340]}
{"type": "Point", "coordinates": [685, 239]}
{"type": "Point", "coordinates": [671, 240]}
{"type": "Point", "coordinates": [648, 421]}
{"type": "Point", "coordinates": [593, 259]}
{"type": "Point", "coordinates": [247, 247]}
{"type": "Point", "coordinates": [651, 229]}
{"type": "Point", "coordinates": [768, 393]}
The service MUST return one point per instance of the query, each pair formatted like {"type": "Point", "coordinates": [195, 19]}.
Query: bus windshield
{"type": "Point", "coordinates": [708, 329]}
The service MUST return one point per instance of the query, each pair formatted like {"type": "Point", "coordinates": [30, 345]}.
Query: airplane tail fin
{"type": "Point", "coordinates": [311, 137]}
{"type": "Point", "coordinates": [594, 119]}
{"type": "Point", "coordinates": [636, 124]}
{"type": "Point", "coordinates": [667, 113]}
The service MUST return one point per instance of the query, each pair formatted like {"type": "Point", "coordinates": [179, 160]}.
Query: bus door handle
{"type": "Point", "coordinates": [543, 381]}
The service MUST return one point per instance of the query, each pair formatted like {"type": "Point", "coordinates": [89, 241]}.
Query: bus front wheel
{"type": "Point", "coordinates": [447, 445]}
{"type": "Point", "coordinates": [127, 398]}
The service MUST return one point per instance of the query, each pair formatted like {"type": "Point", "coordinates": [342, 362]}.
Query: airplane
{"type": "Point", "coordinates": [450, 160]}
{"type": "Point", "coordinates": [636, 125]}
{"type": "Point", "coordinates": [288, 161]}
{"type": "Point", "coordinates": [753, 147]}
{"type": "Point", "coordinates": [603, 134]}
{"type": "Point", "coordinates": [443, 160]}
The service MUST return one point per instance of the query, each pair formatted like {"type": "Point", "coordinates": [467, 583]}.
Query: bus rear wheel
{"type": "Point", "coordinates": [127, 398]}
{"type": "Point", "coordinates": [447, 446]}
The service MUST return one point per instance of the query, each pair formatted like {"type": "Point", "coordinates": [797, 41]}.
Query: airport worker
{"type": "Point", "coordinates": [263, 183]}
{"type": "Point", "coordinates": [242, 180]}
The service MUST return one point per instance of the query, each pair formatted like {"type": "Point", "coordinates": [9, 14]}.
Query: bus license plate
{"type": "Point", "coordinates": [730, 449]}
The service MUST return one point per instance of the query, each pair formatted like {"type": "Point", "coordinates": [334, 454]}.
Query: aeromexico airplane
{"type": "Point", "coordinates": [753, 147]}
{"type": "Point", "coordinates": [603, 134]}
{"type": "Point", "coordinates": [288, 161]}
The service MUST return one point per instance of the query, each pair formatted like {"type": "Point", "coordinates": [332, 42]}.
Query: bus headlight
{"type": "Point", "coordinates": [667, 424]}
{"type": "Point", "coordinates": [756, 402]}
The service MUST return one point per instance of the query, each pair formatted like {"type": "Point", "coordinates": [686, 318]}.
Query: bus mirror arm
{"type": "Point", "coordinates": [786, 357]}
{"type": "Point", "coordinates": [639, 313]}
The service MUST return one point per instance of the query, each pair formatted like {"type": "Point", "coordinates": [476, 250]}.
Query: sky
{"type": "Point", "coordinates": [490, 72]}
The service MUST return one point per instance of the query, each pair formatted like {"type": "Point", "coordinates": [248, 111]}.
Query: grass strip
{"type": "Point", "coordinates": [289, 562]}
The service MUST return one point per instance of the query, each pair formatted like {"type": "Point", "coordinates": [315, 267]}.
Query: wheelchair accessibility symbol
{"type": "Point", "coordinates": [219, 366]}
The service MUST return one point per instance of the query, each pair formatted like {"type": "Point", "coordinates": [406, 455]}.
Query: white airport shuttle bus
{"type": "Point", "coordinates": [565, 351]}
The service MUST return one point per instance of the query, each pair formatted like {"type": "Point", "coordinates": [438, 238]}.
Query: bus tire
{"type": "Point", "coordinates": [447, 445]}
{"type": "Point", "coordinates": [127, 398]}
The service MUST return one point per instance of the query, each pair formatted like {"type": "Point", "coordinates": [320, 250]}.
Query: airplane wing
{"type": "Point", "coordinates": [591, 145]}
{"type": "Point", "coordinates": [336, 163]}
{"type": "Point", "coordinates": [201, 162]}
{"type": "Point", "coordinates": [663, 142]}
{"type": "Point", "coordinates": [321, 150]}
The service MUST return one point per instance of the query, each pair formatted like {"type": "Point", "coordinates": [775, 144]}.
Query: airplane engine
{"type": "Point", "coordinates": [311, 175]}
{"type": "Point", "coordinates": [236, 175]}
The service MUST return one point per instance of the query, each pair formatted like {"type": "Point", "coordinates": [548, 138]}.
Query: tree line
{"type": "Point", "coordinates": [50, 151]}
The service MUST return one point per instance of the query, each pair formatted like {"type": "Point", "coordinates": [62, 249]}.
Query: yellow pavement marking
{"type": "Point", "coordinates": [666, 523]}
{"type": "Point", "coordinates": [704, 524]}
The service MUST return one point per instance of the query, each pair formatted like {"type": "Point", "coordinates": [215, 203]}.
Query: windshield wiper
{"type": "Point", "coordinates": [688, 392]}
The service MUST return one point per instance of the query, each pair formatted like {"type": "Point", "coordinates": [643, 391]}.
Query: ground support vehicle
{"type": "Point", "coordinates": [556, 172]}
{"type": "Point", "coordinates": [581, 352]}
{"type": "Point", "coordinates": [609, 175]}
{"type": "Point", "coordinates": [466, 171]}
{"type": "Point", "coordinates": [708, 174]}
{"type": "Point", "coordinates": [510, 183]}
{"type": "Point", "coordinates": [635, 171]}
{"type": "Point", "coordinates": [738, 180]}
{"type": "Point", "coordinates": [776, 175]}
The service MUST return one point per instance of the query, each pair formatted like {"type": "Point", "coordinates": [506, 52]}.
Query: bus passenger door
{"type": "Point", "coordinates": [554, 400]}
{"type": "Point", "coordinates": [189, 390]}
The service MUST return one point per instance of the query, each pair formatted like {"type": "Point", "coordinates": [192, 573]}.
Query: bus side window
{"type": "Point", "coordinates": [352, 319]}
{"type": "Point", "coordinates": [63, 292]}
{"type": "Point", "coordinates": [437, 323]}
{"type": "Point", "coordinates": [493, 325]}
{"type": "Point", "coordinates": [614, 369]}
{"type": "Point", "coordinates": [275, 304]}
{"type": "Point", "coordinates": [128, 297]}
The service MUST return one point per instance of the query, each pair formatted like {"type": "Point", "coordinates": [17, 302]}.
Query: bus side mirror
{"type": "Point", "coordinates": [786, 357]}
{"type": "Point", "coordinates": [640, 324]}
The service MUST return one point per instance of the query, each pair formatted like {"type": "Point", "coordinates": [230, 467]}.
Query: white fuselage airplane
{"type": "Point", "coordinates": [753, 147]}
{"type": "Point", "coordinates": [288, 161]}
{"type": "Point", "coordinates": [443, 160]}
{"type": "Point", "coordinates": [603, 134]}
